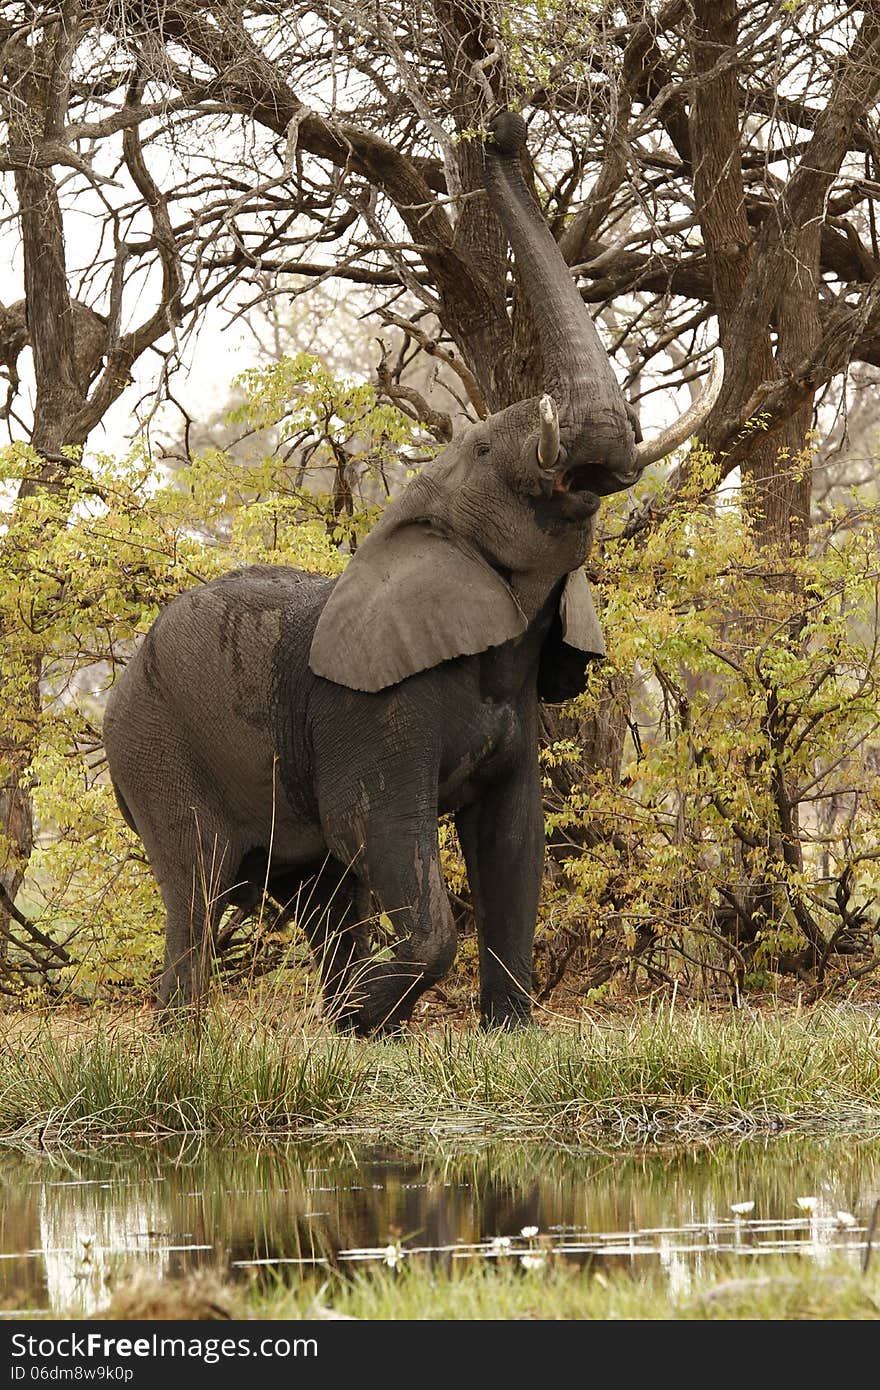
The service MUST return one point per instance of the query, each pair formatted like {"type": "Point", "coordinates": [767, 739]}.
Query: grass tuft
{"type": "Point", "coordinates": [679, 1076]}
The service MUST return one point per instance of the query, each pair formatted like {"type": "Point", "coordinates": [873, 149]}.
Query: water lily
{"type": "Point", "coordinates": [533, 1260]}
{"type": "Point", "coordinates": [742, 1208]}
{"type": "Point", "coordinates": [808, 1203]}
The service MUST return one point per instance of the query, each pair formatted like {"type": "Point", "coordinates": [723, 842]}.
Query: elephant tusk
{"type": "Point", "coordinates": [650, 450]}
{"type": "Point", "coordinates": [548, 442]}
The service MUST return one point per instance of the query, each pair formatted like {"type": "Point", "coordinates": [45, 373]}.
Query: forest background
{"type": "Point", "coordinates": [282, 205]}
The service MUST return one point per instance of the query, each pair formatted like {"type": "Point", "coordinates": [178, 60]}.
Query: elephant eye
{"type": "Point", "coordinates": [482, 449]}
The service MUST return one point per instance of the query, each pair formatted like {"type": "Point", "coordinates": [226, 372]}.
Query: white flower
{"type": "Point", "coordinates": [391, 1254]}
{"type": "Point", "coordinates": [529, 1231]}
{"type": "Point", "coordinates": [533, 1260]}
{"type": "Point", "coordinates": [500, 1244]}
{"type": "Point", "coordinates": [845, 1218]}
{"type": "Point", "coordinates": [742, 1208]}
{"type": "Point", "coordinates": [808, 1203]}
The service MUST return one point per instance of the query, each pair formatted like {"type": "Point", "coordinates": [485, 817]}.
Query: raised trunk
{"type": "Point", "coordinates": [595, 425]}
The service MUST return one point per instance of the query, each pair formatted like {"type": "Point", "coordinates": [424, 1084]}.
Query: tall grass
{"type": "Point", "coordinates": [215, 1077]}
{"type": "Point", "coordinates": [671, 1075]}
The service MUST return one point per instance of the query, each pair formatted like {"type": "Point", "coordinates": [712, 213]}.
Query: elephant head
{"type": "Point", "coordinates": [473, 549]}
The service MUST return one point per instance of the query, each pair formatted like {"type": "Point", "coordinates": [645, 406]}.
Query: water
{"type": "Point", "coordinates": [71, 1225]}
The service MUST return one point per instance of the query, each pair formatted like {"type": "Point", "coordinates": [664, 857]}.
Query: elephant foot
{"type": "Point", "coordinates": [381, 1003]}
{"type": "Point", "coordinates": [181, 997]}
{"type": "Point", "coordinates": [352, 1023]}
{"type": "Point", "coordinates": [505, 1012]}
{"type": "Point", "coordinates": [380, 1023]}
{"type": "Point", "coordinates": [182, 984]}
{"type": "Point", "coordinates": [363, 1026]}
{"type": "Point", "coordinates": [506, 1023]}
{"type": "Point", "coordinates": [386, 1032]}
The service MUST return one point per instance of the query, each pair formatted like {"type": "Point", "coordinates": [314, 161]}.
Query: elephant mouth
{"type": "Point", "coordinates": [579, 482]}
{"type": "Point", "coordinates": [591, 478]}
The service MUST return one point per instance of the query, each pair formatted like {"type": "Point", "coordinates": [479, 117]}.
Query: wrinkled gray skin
{"type": "Point", "coordinates": [279, 728]}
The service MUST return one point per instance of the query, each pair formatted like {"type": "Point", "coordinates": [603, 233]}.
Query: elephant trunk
{"type": "Point", "coordinates": [596, 429]}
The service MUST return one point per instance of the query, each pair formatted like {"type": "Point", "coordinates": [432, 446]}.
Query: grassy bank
{"type": "Point", "coordinates": [673, 1075]}
{"type": "Point", "coordinates": [774, 1289]}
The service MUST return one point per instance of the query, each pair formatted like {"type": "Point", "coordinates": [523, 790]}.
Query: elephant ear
{"type": "Point", "coordinates": [574, 640]}
{"type": "Point", "coordinates": [409, 599]}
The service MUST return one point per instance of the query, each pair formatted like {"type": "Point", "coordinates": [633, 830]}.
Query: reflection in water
{"type": "Point", "coordinates": [84, 1235]}
{"type": "Point", "coordinates": [69, 1227]}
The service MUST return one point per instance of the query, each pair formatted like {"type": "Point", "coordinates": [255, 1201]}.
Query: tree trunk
{"type": "Point", "coordinates": [760, 285]}
{"type": "Point", "coordinates": [38, 78]}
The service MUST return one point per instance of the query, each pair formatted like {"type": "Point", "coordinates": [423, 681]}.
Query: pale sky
{"type": "Point", "coordinates": [210, 359]}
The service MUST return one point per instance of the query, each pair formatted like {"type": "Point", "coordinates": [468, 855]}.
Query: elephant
{"type": "Point", "coordinates": [279, 730]}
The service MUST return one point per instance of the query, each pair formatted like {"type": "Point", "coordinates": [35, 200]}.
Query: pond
{"type": "Point", "coordinates": [71, 1223]}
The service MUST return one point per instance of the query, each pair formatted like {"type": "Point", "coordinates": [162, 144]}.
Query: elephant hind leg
{"type": "Point", "coordinates": [194, 862]}
{"type": "Point", "coordinates": [195, 898]}
{"type": "Point", "coordinates": [326, 905]}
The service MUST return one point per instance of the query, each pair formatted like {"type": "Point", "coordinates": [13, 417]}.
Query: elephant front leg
{"type": "Point", "coordinates": [502, 839]}
{"type": "Point", "coordinates": [404, 876]}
